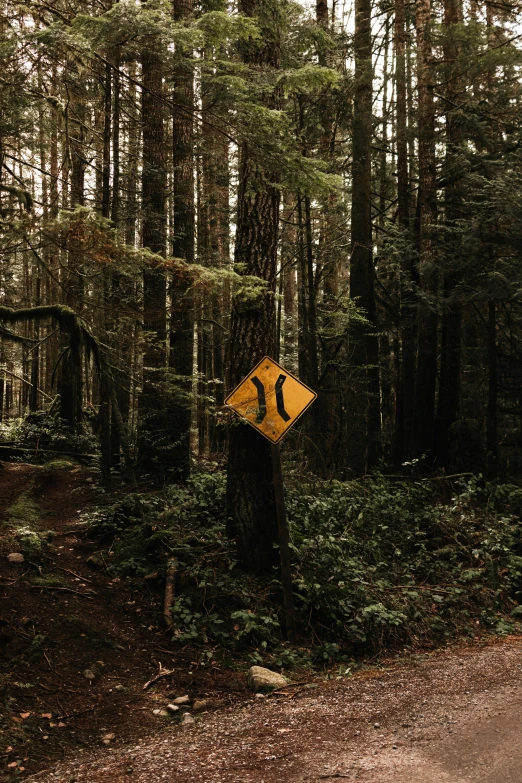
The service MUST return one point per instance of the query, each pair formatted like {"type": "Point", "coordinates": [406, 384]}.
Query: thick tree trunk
{"type": "Point", "coordinates": [106, 158]}
{"type": "Point", "coordinates": [405, 362]}
{"type": "Point", "coordinates": [250, 494]}
{"type": "Point", "coordinates": [250, 498]}
{"type": "Point", "coordinates": [450, 365]}
{"type": "Point", "coordinates": [120, 288]}
{"type": "Point", "coordinates": [364, 439]}
{"type": "Point", "coordinates": [425, 387]}
{"type": "Point", "coordinates": [130, 185]}
{"type": "Point", "coordinates": [182, 305]}
{"type": "Point", "coordinates": [70, 385]}
{"type": "Point", "coordinates": [154, 433]}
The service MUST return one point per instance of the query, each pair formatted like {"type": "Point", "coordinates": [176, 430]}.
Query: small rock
{"type": "Point", "coordinates": [16, 557]}
{"type": "Point", "coordinates": [161, 713]}
{"type": "Point", "coordinates": [119, 687]}
{"type": "Point", "coordinates": [172, 707]}
{"type": "Point", "coordinates": [261, 679]}
{"type": "Point", "coordinates": [376, 725]}
{"type": "Point", "coordinates": [181, 700]}
{"type": "Point", "coordinates": [89, 675]}
{"type": "Point", "coordinates": [394, 747]}
{"type": "Point", "coordinates": [200, 704]}
{"type": "Point", "coordinates": [107, 738]}
{"type": "Point", "coordinates": [188, 720]}
{"type": "Point", "coordinates": [260, 696]}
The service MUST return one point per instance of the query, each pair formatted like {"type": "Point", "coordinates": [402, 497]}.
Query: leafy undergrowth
{"type": "Point", "coordinates": [379, 564]}
{"type": "Point", "coordinates": [40, 434]}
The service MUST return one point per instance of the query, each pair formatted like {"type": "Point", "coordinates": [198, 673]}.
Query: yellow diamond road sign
{"type": "Point", "coordinates": [270, 399]}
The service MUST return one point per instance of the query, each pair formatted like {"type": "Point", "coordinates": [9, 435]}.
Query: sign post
{"type": "Point", "coordinates": [284, 544]}
{"type": "Point", "coordinates": [271, 400]}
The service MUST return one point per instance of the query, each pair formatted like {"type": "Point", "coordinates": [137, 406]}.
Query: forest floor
{"type": "Point", "coordinates": [449, 716]}
{"type": "Point", "coordinates": [62, 619]}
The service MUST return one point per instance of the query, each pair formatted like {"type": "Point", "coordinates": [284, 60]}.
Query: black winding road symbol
{"type": "Point", "coordinates": [261, 398]}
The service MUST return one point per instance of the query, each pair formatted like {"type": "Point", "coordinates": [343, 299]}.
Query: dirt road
{"type": "Point", "coordinates": [453, 717]}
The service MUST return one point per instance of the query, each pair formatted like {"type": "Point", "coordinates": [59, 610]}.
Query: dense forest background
{"type": "Point", "coordinates": [186, 187]}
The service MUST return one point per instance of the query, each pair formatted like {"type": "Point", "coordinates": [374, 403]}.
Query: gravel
{"type": "Point", "coordinates": [414, 720]}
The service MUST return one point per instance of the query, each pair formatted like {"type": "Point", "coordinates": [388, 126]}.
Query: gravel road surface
{"type": "Point", "coordinates": [450, 717]}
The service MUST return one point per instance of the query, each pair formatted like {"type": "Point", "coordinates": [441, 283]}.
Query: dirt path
{"type": "Point", "coordinates": [451, 718]}
{"type": "Point", "coordinates": [60, 617]}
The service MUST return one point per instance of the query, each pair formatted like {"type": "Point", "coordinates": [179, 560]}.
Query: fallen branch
{"type": "Point", "coordinates": [78, 712]}
{"type": "Point", "coordinates": [14, 581]}
{"type": "Point", "coordinates": [35, 450]}
{"type": "Point", "coordinates": [290, 685]}
{"type": "Point", "coordinates": [67, 590]}
{"type": "Point", "coordinates": [79, 529]}
{"type": "Point", "coordinates": [422, 587]}
{"type": "Point", "coordinates": [162, 673]}
{"type": "Point", "coordinates": [68, 570]}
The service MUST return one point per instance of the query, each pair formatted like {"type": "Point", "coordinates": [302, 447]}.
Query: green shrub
{"type": "Point", "coordinates": [377, 563]}
{"type": "Point", "coordinates": [41, 431]}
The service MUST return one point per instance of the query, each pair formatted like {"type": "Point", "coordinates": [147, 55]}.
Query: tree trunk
{"type": "Point", "coordinates": [154, 432]}
{"type": "Point", "coordinates": [250, 493]}
{"type": "Point", "coordinates": [424, 412]}
{"type": "Point", "coordinates": [182, 305]}
{"type": "Point", "coordinates": [364, 439]}
{"type": "Point", "coordinates": [405, 376]}
{"type": "Point", "coordinates": [450, 365]}
{"type": "Point", "coordinates": [492, 410]}
{"type": "Point", "coordinates": [250, 498]}
{"type": "Point", "coordinates": [71, 368]}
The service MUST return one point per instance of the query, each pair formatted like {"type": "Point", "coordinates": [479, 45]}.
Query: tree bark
{"type": "Point", "coordinates": [182, 305]}
{"type": "Point", "coordinates": [492, 409]}
{"type": "Point", "coordinates": [405, 375]}
{"type": "Point", "coordinates": [154, 433]}
{"type": "Point", "coordinates": [364, 440]}
{"type": "Point", "coordinates": [71, 378]}
{"type": "Point", "coordinates": [450, 365]}
{"type": "Point", "coordinates": [250, 492]}
{"type": "Point", "coordinates": [425, 388]}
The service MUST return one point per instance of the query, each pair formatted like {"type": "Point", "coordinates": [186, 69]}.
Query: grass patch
{"type": "Point", "coordinates": [22, 517]}
{"type": "Point", "coordinates": [23, 513]}
{"type": "Point", "coordinates": [59, 464]}
{"type": "Point", "coordinates": [49, 580]}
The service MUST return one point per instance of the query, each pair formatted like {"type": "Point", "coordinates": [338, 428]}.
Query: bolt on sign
{"type": "Point", "coordinates": [271, 399]}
